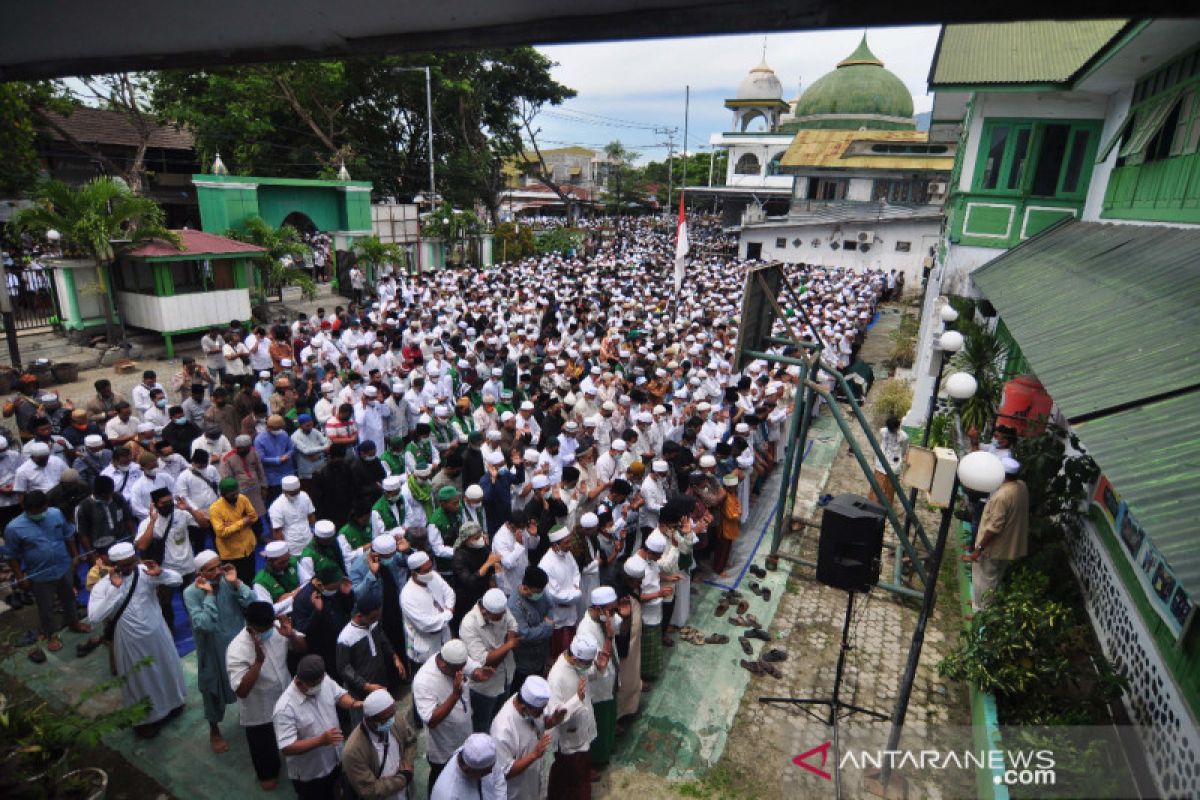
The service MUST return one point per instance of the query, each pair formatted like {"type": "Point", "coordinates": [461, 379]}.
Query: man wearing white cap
{"type": "Point", "coordinates": [563, 588]}
{"type": "Point", "coordinates": [652, 596]}
{"type": "Point", "coordinates": [370, 416]}
{"type": "Point", "coordinates": [521, 739]}
{"type": "Point", "coordinates": [292, 516]}
{"type": "Point", "coordinates": [139, 631]}
{"type": "Point", "coordinates": [323, 550]}
{"type": "Point", "coordinates": [428, 605]}
{"type": "Point", "coordinates": [571, 773]}
{"type": "Point", "coordinates": [378, 758]}
{"type": "Point", "coordinates": [442, 703]}
{"type": "Point", "coordinates": [473, 773]}
{"type": "Point", "coordinates": [1003, 534]}
{"type": "Point", "coordinates": [215, 603]}
{"type": "Point", "coordinates": [601, 623]}
{"type": "Point", "coordinates": [387, 515]}
{"type": "Point", "coordinates": [489, 631]}
{"type": "Point", "coordinates": [41, 472]}
{"type": "Point", "coordinates": [654, 493]}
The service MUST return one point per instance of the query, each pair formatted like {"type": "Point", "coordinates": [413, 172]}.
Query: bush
{"type": "Point", "coordinates": [559, 241]}
{"type": "Point", "coordinates": [904, 341]}
{"type": "Point", "coordinates": [892, 399]}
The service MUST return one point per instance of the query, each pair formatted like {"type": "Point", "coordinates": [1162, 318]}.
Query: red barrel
{"type": "Point", "coordinates": [1025, 405]}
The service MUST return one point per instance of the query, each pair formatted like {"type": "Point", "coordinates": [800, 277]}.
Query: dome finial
{"type": "Point", "coordinates": [861, 55]}
{"type": "Point", "coordinates": [218, 166]}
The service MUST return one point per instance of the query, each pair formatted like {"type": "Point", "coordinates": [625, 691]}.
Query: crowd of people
{"type": "Point", "coordinates": [486, 491]}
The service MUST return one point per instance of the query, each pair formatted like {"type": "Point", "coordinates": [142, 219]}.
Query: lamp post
{"type": "Point", "coordinates": [428, 125]}
{"type": "Point", "coordinates": [974, 473]}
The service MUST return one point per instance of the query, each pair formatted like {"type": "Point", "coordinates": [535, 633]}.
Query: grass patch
{"type": "Point", "coordinates": [722, 782]}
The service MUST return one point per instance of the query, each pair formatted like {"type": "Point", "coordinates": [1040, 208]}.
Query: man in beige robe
{"type": "Point", "coordinates": [1003, 534]}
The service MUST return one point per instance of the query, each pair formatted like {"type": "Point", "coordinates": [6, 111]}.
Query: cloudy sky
{"type": "Point", "coordinates": [628, 88]}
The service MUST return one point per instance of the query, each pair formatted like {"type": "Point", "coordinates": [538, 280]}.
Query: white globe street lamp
{"type": "Point", "coordinates": [948, 314]}
{"type": "Point", "coordinates": [53, 236]}
{"type": "Point", "coordinates": [981, 472]}
{"type": "Point", "coordinates": [961, 386]}
{"type": "Point", "coordinates": [950, 342]}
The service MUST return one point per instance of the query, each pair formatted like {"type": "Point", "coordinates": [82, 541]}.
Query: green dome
{"type": "Point", "coordinates": [859, 86]}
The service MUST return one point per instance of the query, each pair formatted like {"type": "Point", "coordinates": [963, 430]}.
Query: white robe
{"type": "Point", "coordinates": [142, 632]}
{"type": "Point", "coordinates": [562, 587]}
{"type": "Point", "coordinates": [517, 737]}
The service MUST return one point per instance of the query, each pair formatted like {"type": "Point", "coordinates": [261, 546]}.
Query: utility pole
{"type": "Point", "coordinates": [687, 99]}
{"type": "Point", "coordinates": [670, 134]}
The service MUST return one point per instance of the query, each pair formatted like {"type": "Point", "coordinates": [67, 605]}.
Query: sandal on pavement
{"type": "Point", "coordinates": [741, 623]}
{"type": "Point", "coordinates": [717, 638]}
{"type": "Point", "coordinates": [752, 621]}
{"type": "Point", "coordinates": [765, 594]}
{"type": "Point", "coordinates": [758, 633]}
{"type": "Point", "coordinates": [27, 638]}
{"type": "Point", "coordinates": [754, 667]}
{"type": "Point", "coordinates": [743, 606]}
{"type": "Point", "coordinates": [54, 645]}
{"type": "Point", "coordinates": [771, 669]}
{"type": "Point", "coordinates": [37, 656]}
{"type": "Point", "coordinates": [774, 655]}
{"type": "Point", "coordinates": [722, 607]}
{"type": "Point", "coordinates": [747, 648]}
{"type": "Point", "coordinates": [81, 627]}
{"type": "Point", "coordinates": [84, 648]}
{"type": "Point", "coordinates": [758, 572]}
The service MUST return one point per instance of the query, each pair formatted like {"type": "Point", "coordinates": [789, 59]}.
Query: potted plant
{"type": "Point", "coordinates": [94, 222]}
{"type": "Point", "coordinates": [38, 744]}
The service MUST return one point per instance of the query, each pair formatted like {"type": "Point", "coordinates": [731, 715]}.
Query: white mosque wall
{"type": "Point", "coordinates": [902, 246]}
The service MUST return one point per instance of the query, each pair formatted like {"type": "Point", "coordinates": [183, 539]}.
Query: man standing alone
{"type": "Point", "coordinates": [1003, 535]}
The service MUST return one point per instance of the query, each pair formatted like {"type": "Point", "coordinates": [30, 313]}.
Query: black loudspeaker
{"type": "Point", "coordinates": [851, 545]}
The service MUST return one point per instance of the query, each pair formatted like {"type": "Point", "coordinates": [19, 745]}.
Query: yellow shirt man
{"type": "Point", "coordinates": [233, 526]}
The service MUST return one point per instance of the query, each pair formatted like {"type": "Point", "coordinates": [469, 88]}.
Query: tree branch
{"type": "Point", "coordinates": [304, 114]}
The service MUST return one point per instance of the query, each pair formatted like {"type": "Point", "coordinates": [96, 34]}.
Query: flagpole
{"type": "Point", "coordinates": [687, 99]}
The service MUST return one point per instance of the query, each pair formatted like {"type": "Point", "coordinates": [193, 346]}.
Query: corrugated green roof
{"type": "Point", "coordinates": [1018, 52]}
{"type": "Point", "coordinates": [1108, 317]}
{"type": "Point", "coordinates": [1152, 456]}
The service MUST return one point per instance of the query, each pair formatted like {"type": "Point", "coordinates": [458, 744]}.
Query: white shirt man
{"type": "Point", "coordinates": [513, 542]}
{"type": "Point", "coordinates": [150, 479]}
{"type": "Point", "coordinates": [563, 587]}
{"type": "Point", "coordinates": [654, 494]}
{"type": "Point", "coordinates": [431, 687]}
{"type": "Point", "coordinates": [427, 603]}
{"type": "Point", "coordinates": [518, 734]}
{"type": "Point", "coordinates": [32, 476]}
{"type": "Point", "coordinates": [259, 348]}
{"type": "Point", "coordinates": [298, 716]}
{"type": "Point", "coordinates": [293, 513]}
{"type": "Point", "coordinates": [482, 635]}
{"type": "Point", "coordinates": [575, 733]}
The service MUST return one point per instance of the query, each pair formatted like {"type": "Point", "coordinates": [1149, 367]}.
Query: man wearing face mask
{"type": "Point", "coordinates": [563, 588]}
{"type": "Point", "coordinates": [215, 602]}
{"type": "Point", "coordinates": [93, 458]}
{"type": "Point", "coordinates": [233, 519]}
{"type": "Point", "coordinates": [571, 773]}
{"type": "Point", "coordinates": [322, 551]}
{"type": "Point", "coordinates": [428, 605]}
{"type": "Point", "coordinates": [256, 661]}
{"type": "Point", "coordinates": [292, 516]}
{"type": "Point", "coordinates": [365, 658]}
{"type": "Point", "coordinates": [321, 609]}
{"type": "Point", "coordinates": [489, 631]}
{"type": "Point", "coordinates": [368, 473]}
{"type": "Point", "coordinates": [279, 578]}
{"type": "Point", "coordinates": [602, 624]}
{"type": "Point", "coordinates": [378, 759]}
{"type": "Point", "coordinates": [150, 479]}
{"type": "Point", "coordinates": [307, 732]}
{"type": "Point", "coordinates": [40, 548]}
{"type": "Point", "coordinates": [383, 573]}
{"type": "Point", "coordinates": [275, 450]}
{"type": "Point", "coordinates": [441, 702]}
{"type": "Point", "coordinates": [41, 472]}
{"type": "Point", "coordinates": [371, 418]}
{"type": "Point", "coordinates": [472, 772]}
{"type": "Point", "coordinates": [163, 537]}
{"type": "Point", "coordinates": [243, 464]}
{"type": "Point", "coordinates": [521, 733]}
{"type": "Point", "coordinates": [387, 515]}
{"type": "Point", "coordinates": [156, 415]}
{"type": "Point", "coordinates": [214, 442]}
{"type": "Point", "coordinates": [125, 601]}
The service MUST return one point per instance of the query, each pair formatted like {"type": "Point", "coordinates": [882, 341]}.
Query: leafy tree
{"type": "Point", "coordinates": [374, 252]}
{"type": "Point", "coordinates": [98, 220]}
{"type": "Point", "coordinates": [20, 167]}
{"type": "Point", "coordinates": [697, 174]}
{"type": "Point", "coordinates": [284, 247]}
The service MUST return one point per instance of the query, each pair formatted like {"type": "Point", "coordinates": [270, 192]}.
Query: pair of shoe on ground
{"type": "Point", "coordinates": [765, 665]}
{"type": "Point", "coordinates": [695, 636]}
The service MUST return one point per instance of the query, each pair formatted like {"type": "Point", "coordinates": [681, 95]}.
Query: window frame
{"type": "Point", "coordinates": [1026, 162]}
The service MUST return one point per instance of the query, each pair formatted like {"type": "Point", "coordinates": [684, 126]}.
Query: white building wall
{"type": "Point", "coordinates": [883, 254]}
{"type": "Point", "coordinates": [860, 189]}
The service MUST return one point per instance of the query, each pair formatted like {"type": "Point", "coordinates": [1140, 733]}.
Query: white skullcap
{"type": "Point", "coordinates": [559, 533]}
{"type": "Point", "coordinates": [535, 691]}
{"type": "Point", "coordinates": [495, 458]}
{"type": "Point", "coordinates": [285, 362]}
{"type": "Point", "coordinates": [656, 542]}
{"type": "Point", "coordinates": [494, 601]}
{"type": "Point", "coordinates": [290, 483]}
{"type": "Point", "coordinates": [608, 405]}
{"type": "Point", "coordinates": [540, 481]}
{"type": "Point", "coordinates": [635, 566]}
{"type": "Point", "coordinates": [527, 406]}
{"type": "Point", "coordinates": [705, 406]}
{"type": "Point", "coordinates": [531, 455]}
{"type": "Point", "coordinates": [454, 652]}
{"type": "Point", "coordinates": [660, 409]}
{"type": "Point", "coordinates": [275, 549]}
{"type": "Point", "coordinates": [479, 751]}
{"type": "Point", "coordinates": [506, 416]}
{"type": "Point", "coordinates": [324, 529]}
{"type": "Point", "coordinates": [327, 388]}
{"type": "Point", "coordinates": [392, 483]}
{"type": "Point", "coordinates": [708, 461]}
{"type": "Point", "coordinates": [603, 596]}
{"type": "Point", "coordinates": [494, 435]}
{"type": "Point", "coordinates": [584, 647]}
{"type": "Point", "coordinates": [619, 445]}
{"type": "Point", "coordinates": [1011, 465]}
{"type": "Point", "coordinates": [417, 559]}
{"type": "Point", "coordinates": [370, 391]}
{"type": "Point", "coordinates": [121, 551]}
{"type": "Point", "coordinates": [377, 702]}
{"type": "Point", "coordinates": [660, 465]}
{"type": "Point", "coordinates": [441, 411]}
{"type": "Point", "coordinates": [145, 427]}
{"type": "Point", "coordinates": [730, 479]}
{"type": "Point", "coordinates": [264, 374]}
{"type": "Point", "coordinates": [202, 558]}
{"type": "Point", "coordinates": [489, 398]}
{"type": "Point", "coordinates": [384, 544]}
{"type": "Point", "coordinates": [92, 440]}
{"type": "Point", "coordinates": [474, 492]}
{"type": "Point", "coordinates": [590, 422]}
{"type": "Point", "coordinates": [589, 520]}
{"type": "Point", "coordinates": [39, 449]}
{"type": "Point", "coordinates": [644, 418]}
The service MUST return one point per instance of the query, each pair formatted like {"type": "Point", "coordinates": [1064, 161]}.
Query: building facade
{"type": "Point", "coordinates": [1074, 211]}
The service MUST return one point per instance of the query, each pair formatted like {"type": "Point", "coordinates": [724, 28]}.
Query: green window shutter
{"type": "Point", "coordinates": [1150, 120]}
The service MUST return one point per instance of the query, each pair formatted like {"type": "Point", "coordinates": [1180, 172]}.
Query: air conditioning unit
{"type": "Point", "coordinates": [937, 187]}
{"type": "Point", "coordinates": [834, 246]}
{"type": "Point", "coordinates": [864, 247]}
{"type": "Point", "coordinates": [866, 237]}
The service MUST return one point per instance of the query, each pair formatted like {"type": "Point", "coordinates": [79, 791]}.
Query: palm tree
{"type": "Point", "coordinates": [99, 220]}
{"type": "Point", "coordinates": [372, 251]}
{"type": "Point", "coordinates": [284, 247]}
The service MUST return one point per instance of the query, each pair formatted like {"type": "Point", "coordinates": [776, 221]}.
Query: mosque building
{"type": "Point", "coordinates": [839, 176]}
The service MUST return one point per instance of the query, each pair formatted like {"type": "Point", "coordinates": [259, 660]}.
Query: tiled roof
{"type": "Point", "coordinates": [823, 147]}
{"type": "Point", "coordinates": [1018, 52]}
{"type": "Point", "coordinates": [195, 243]}
{"type": "Point", "coordinates": [98, 126]}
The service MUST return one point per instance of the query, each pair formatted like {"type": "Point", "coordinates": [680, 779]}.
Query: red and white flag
{"type": "Point", "coordinates": [681, 246]}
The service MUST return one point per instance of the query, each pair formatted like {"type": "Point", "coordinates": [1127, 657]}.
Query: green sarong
{"type": "Point", "coordinates": [606, 732]}
{"type": "Point", "coordinates": [652, 652]}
